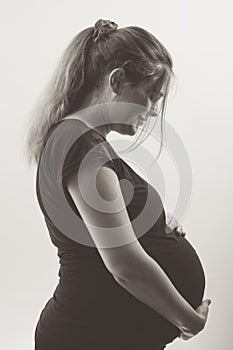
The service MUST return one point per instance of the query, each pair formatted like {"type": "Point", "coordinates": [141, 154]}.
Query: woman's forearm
{"type": "Point", "coordinates": [150, 284]}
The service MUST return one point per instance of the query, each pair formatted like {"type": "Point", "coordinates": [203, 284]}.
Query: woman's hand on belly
{"type": "Point", "coordinates": [173, 223]}
{"type": "Point", "coordinates": [203, 311]}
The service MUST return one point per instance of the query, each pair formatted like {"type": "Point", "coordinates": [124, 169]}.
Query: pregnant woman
{"type": "Point", "coordinates": [124, 284]}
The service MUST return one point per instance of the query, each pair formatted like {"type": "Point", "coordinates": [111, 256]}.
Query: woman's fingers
{"type": "Point", "coordinates": [184, 337]}
{"type": "Point", "coordinates": [179, 229]}
{"type": "Point", "coordinates": [203, 309]}
{"type": "Point", "coordinates": [172, 223]}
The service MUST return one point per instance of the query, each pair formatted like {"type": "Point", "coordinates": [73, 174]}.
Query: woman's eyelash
{"type": "Point", "coordinates": [154, 95]}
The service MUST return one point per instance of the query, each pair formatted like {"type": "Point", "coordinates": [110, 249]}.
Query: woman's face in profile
{"type": "Point", "coordinates": [144, 94]}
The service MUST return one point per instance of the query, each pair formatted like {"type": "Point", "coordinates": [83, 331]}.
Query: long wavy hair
{"type": "Point", "coordinates": [82, 69]}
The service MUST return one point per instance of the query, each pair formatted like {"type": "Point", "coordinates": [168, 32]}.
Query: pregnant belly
{"type": "Point", "coordinates": [138, 321]}
{"type": "Point", "coordinates": [182, 265]}
{"type": "Point", "coordinates": [98, 304]}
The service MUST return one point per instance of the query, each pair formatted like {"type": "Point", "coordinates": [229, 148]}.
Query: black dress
{"type": "Point", "coordinates": [89, 309]}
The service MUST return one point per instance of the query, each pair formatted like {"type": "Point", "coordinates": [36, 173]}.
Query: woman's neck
{"type": "Point", "coordinates": [96, 125]}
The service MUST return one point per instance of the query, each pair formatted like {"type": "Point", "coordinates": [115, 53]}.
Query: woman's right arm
{"type": "Point", "coordinates": [129, 264]}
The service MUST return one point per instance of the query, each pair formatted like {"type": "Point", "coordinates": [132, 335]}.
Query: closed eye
{"type": "Point", "coordinates": [153, 95]}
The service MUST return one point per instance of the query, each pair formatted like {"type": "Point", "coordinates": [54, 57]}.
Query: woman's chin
{"type": "Point", "coordinates": [133, 128]}
{"type": "Point", "coordinates": [128, 129]}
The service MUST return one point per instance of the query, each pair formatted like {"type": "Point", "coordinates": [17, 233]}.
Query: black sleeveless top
{"type": "Point", "coordinates": [88, 307]}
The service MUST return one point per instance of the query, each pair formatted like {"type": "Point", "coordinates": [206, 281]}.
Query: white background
{"type": "Point", "coordinates": [198, 35]}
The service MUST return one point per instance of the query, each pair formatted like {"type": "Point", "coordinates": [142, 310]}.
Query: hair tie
{"type": "Point", "coordinates": [102, 28]}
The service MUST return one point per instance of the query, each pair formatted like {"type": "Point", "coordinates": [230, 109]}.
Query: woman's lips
{"type": "Point", "coordinates": [139, 120]}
